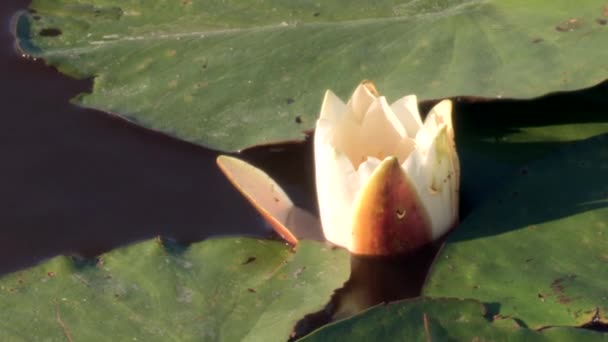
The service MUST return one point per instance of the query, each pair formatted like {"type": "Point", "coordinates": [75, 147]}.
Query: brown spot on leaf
{"type": "Point", "coordinates": [537, 40]}
{"type": "Point", "coordinates": [50, 274]}
{"type": "Point", "coordinates": [569, 25]}
{"type": "Point", "coordinates": [316, 14]}
{"type": "Point", "coordinates": [249, 260]}
{"type": "Point", "coordinates": [251, 290]}
{"type": "Point", "coordinates": [499, 317]}
{"type": "Point", "coordinates": [601, 21]}
{"type": "Point", "coordinates": [50, 32]}
{"type": "Point", "coordinates": [541, 297]}
{"type": "Point", "coordinates": [558, 287]}
{"type": "Point", "coordinates": [298, 119]}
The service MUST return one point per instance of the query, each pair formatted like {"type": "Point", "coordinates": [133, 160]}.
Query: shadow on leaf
{"type": "Point", "coordinates": [569, 182]}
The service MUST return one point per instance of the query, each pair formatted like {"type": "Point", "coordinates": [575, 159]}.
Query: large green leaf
{"type": "Point", "coordinates": [228, 75]}
{"type": "Point", "coordinates": [537, 251]}
{"type": "Point", "coordinates": [217, 290]}
{"type": "Point", "coordinates": [440, 320]}
{"type": "Point", "coordinates": [496, 139]}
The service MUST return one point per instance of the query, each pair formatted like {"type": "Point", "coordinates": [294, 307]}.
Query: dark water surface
{"type": "Point", "coordinates": [75, 180]}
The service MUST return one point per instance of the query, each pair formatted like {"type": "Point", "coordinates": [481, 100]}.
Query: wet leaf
{"type": "Point", "coordinates": [231, 289]}
{"type": "Point", "coordinates": [537, 250]}
{"type": "Point", "coordinates": [428, 319]}
{"type": "Point", "coordinates": [232, 75]}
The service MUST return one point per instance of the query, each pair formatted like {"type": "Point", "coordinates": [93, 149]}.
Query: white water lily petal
{"type": "Point", "coordinates": [362, 98]}
{"type": "Point", "coordinates": [381, 111]}
{"type": "Point", "coordinates": [366, 169]}
{"type": "Point", "coordinates": [337, 185]}
{"type": "Point", "coordinates": [345, 136]}
{"type": "Point", "coordinates": [332, 108]}
{"type": "Point", "coordinates": [431, 122]}
{"type": "Point", "coordinates": [406, 110]}
{"type": "Point", "coordinates": [271, 201]}
{"type": "Point", "coordinates": [352, 137]}
{"type": "Point", "coordinates": [267, 197]}
{"type": "Point", "coordinates": [380, 118]}
{"type": "Point", "coordinates": [442, 113]}
{"type": "Point", "coordinates": [443, 145]}
{"type": "Point", "coordinates": [435, 178]}
{"type": "Point", "coordinates": [404, 148]}
{"type": "Point", "coordinates": [442, 170]}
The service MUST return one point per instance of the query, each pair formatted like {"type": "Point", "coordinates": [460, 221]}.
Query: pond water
{"type": "Point", "coordinates": [77, 180]}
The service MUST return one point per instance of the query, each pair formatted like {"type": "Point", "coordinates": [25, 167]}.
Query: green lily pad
{"type": "Point", "coordinates": [427, 319]}
{"type": "Point", "coordinates": [496, 139]}
{"type": "Point", "coordinates": [537, 250]}
{"type": "Point", "coordinates": [232, 75]}
{"type": "Point", "coordinates": [231, 289]}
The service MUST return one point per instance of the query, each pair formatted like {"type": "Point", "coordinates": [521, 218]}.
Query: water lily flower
{"type": "Point", "coordinates": [387, 183]}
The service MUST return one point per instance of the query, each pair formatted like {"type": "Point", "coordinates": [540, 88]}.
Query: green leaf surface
{"type": "Point", "coordinates": [229, 75]}
{"type": "Point", "coordinates": [440, 320]}
{"type": "Point", "coordinates": [537, 250]}
{"type": "Point", "coordinates": [231, 289]}
{"type": "Point", "coordinates": [497, 139]}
